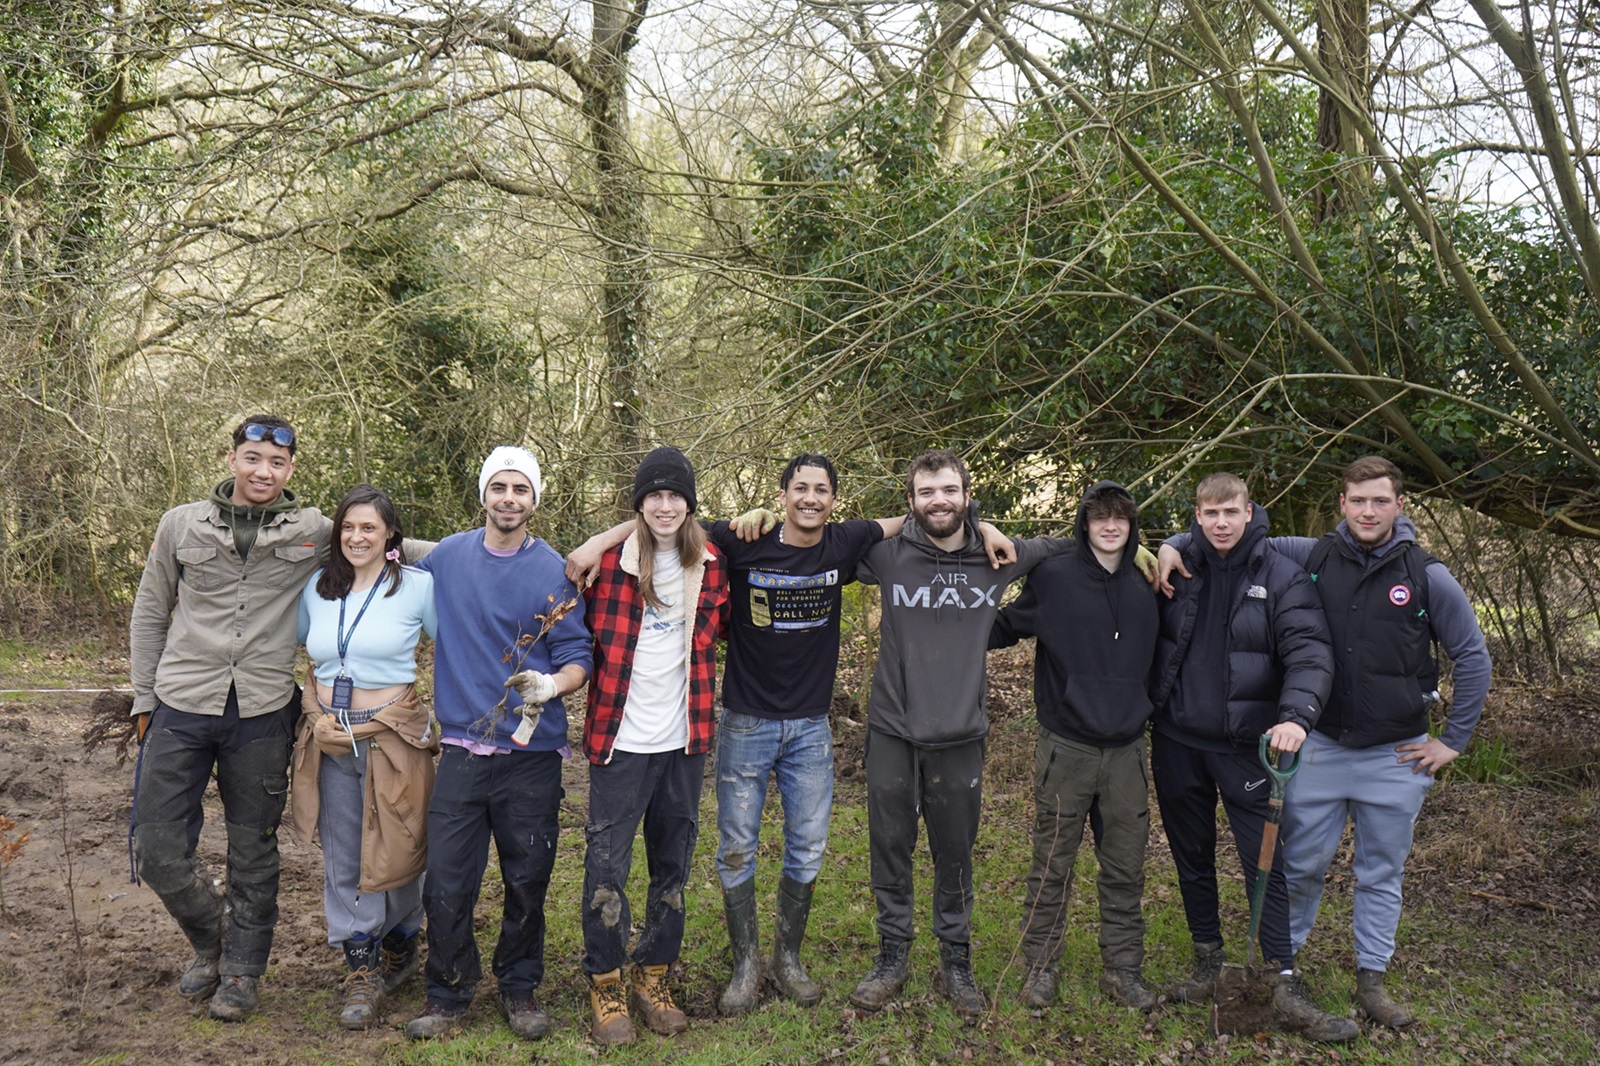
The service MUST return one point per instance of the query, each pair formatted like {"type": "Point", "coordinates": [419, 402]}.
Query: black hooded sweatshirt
{"type": "Point", "coordinates": [1096, 631]}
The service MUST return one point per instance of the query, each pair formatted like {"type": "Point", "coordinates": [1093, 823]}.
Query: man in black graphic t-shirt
{"type": "Point", "coordinates": [783, 653]}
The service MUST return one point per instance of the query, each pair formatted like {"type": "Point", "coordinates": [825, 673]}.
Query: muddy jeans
{"type": "Point", "coordinates": [662, 789]}
{"type": "Point", "coordinates": [515, 796]}
{"type": "Point", "coordinates": [1068, 776]}
{"type": "Point", "coordinates": [251, 756]}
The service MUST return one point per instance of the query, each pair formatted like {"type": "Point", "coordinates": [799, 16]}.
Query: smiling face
{"type": "Point", "coordinates": [1223, 521]}
{"type": "Point", "coordinates": [664, 513]}
{"type": "Point", "coordinates": [939, 502]}
{"type": "Point", "coordinates": [508, 499]}
{"type": "Point", "coordinates": [1109, 534]}
{"type": "Point", "coordinates": [808, 500]}
{"type": "Point", "coordinates": [362, 537]}
{"type": "Point", "coordinates": [260, 471]}
{"type": "Point", "coordinates": [1370, 508]}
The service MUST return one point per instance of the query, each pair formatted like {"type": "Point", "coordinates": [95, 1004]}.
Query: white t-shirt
{"type": "Point", "coordinates": [656, 716]}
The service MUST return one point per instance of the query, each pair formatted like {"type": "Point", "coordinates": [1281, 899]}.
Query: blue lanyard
{"type": "Point", "coordinates": [343, 639]}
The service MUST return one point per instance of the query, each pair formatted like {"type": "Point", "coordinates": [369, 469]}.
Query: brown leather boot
{"type": "Point", "coordinates": [1297, 1014]}
{"type": "Point", "coordinates": [1376, 1003]}
{"type": "Point", "coordinates": [608, 998]}
{"type": "Point", "coordinates": [653, 1000]}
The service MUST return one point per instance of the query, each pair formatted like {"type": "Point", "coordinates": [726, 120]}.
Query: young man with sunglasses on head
{"type": "Point", "coordinates": [212, 654]}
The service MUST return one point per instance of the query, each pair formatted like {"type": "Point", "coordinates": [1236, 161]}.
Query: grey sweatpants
{"type": "Point", "coordinates": [353, 914]}
{"type": "Point", "coordinates": [944, 786]}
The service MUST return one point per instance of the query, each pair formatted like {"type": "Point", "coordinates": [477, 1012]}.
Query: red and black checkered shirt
{"type": "Point", "coordinates": [615, 611]}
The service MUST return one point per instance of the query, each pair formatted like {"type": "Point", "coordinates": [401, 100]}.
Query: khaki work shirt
{"type": "Point", "coordinates": [204, 619]}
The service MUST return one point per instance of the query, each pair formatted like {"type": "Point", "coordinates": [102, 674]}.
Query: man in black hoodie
{"type": "Point", "coordinates": [1244, 651]}
{"type": "Point", "coordinates": [1096, 623]}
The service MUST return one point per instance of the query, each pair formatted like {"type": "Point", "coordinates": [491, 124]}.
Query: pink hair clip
{"type": "Point", "coordinates": [393, 555]}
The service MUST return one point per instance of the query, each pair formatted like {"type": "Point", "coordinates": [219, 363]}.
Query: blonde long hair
{"type": "Point", "coordinates": [691, 547]}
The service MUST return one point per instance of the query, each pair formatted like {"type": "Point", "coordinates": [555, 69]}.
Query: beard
{"type": "Point", "coordinates": [940, 525]}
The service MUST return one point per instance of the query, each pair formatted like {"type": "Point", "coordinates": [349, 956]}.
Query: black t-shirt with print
{"type": "Point", "coordinates": [783, 639]}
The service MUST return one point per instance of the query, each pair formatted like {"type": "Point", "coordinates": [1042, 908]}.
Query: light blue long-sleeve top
{"type": "Point", "coordinates": [383, 645]}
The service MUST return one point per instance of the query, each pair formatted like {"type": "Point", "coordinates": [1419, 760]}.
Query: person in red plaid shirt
{"type": "Point", "coordinates": [657, 609]}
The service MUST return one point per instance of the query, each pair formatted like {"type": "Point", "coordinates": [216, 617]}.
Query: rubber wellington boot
{"type": "Point", "coordinates": [739, 904]}
{"type": "Point", "coordinates": [786, 973]}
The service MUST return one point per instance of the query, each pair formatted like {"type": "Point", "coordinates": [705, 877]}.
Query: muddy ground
{"type": "Point", "coordinates": [90, 961]}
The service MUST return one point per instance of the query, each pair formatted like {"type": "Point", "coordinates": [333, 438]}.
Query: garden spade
{"type": "Point", "coordinates": [1243, 1001]}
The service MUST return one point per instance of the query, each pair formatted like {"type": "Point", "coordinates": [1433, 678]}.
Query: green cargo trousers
{"type": "Point", "coordinates": [1068, 777]}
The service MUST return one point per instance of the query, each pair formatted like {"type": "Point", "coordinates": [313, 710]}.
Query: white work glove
{"type": "Point", "coordinates": [536, 689]}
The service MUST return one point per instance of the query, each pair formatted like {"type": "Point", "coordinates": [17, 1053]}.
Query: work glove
{"type": "Point", "coordinates": [536, 689]}
{"type": "Point", "coordinates": [1146, 563]}
{"type": "Point", "coordinates": [753, 523]}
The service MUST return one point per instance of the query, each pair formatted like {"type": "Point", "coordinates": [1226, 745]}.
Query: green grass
{"type": "Point", "coordinates": [1453, 975]}
{"type": "Point", "coordinates": [82, 663]}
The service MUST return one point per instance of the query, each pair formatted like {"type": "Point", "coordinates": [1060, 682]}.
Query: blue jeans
{"type": "Point", "coordinates": [749, 751]}
{"type": "Point", "coordinates": [1374, 790]}
{"type": "Point", "coordinates": [514, 797]}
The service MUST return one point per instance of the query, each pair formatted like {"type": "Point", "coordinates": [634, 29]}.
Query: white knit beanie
{"type": "Point", "coordinates": [510, 457]}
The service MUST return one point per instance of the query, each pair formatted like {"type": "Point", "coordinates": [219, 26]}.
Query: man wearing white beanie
{"type": "Point", "coordinates": [499, 774]}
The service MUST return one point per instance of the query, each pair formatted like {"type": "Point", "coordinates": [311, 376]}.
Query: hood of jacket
{"type": "Point", "coordinates": [222, 496]}
{"type": "Point", "coordinates": [1405, 532]}
{"type": "Point", "coordinates": [1080, 528]}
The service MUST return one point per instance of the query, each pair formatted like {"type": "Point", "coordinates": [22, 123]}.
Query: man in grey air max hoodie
{"type": "Point", "coordinates": [927, 721]}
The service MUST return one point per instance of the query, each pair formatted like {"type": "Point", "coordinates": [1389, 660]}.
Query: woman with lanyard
{"type": "Point", "coordinates": [367, 743]}
{"type": "Point", "coordinates": [657, 607]}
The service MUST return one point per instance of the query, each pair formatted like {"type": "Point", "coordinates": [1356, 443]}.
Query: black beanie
{"type": "Point", "coordinates": [664, 468]}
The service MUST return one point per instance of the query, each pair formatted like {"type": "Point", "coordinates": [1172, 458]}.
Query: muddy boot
{"type": "Point", "coordinates": [199, 981]}
{"type": "Point", "coordinates": [1039, 985]}
{"type": "Point", "coordinates": [786, 973]}
{"type": "Point", "coordinates": [1127, 987]}
{"type": "Point", "coordinates": [739, 903]}
{"type": "Point", "coordinates": [1297, 1014]}
{"type": "Point", "coordinates": [1201, 985]}
{"type": "Point", "coordinates": [652, 999]}
{"type": "Point", "coordinates": [363, 985]}
{"type": "Point", "coordinates": [887, 976]}
{"type": "Point", "coordinates": [955, 980]}
{"type": "Point", "coordinates": [608, 998]}
{"type": "Point", "coordinates": [436, 1019]}
{"type": "Point", "coordinates": [402, 958]}
{"type": "Point", "coordinates": [235, 998]}
{"type": "Point", "coordinates": [1376, 1004]}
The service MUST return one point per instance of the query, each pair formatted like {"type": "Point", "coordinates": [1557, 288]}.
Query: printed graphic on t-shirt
{"type": "Point", "coordinates": [791, 601]}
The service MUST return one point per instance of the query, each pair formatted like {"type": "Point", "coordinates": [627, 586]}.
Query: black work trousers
{"type": "Point", "coordinates": [944, 788]}
{"type": "Point", "coordinates": [251, 757]}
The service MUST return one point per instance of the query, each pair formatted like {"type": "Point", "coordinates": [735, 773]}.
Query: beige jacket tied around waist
{"type": "Point", "coordinates": [399, 781]}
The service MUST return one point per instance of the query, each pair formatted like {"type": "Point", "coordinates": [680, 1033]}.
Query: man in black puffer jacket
{"type": "Point", "coordinates": [1243, 651]}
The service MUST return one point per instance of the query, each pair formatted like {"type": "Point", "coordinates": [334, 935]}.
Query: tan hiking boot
{"type": "Point", "coordinates": [608, 998]}
{"type": "Point", "coordinates": [653, 1000]}
{"type": "Point", "coordinates": [1375, 1002]}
